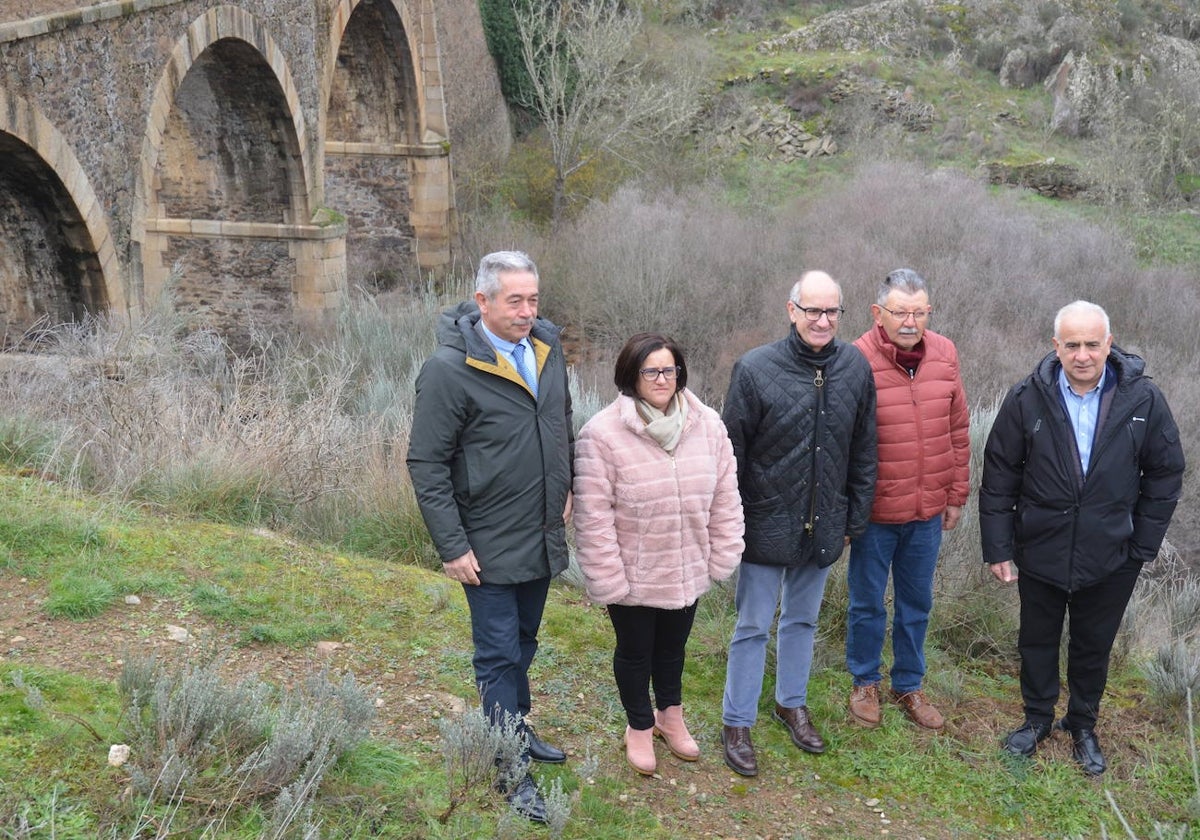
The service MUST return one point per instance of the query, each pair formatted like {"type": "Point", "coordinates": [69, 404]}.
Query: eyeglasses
{"type": "Point", "coordinates": [668, 373]}
{"type": "Point", "coordinates": [814, 314]}
{"type": "Point", "coordinates": [904, 316]}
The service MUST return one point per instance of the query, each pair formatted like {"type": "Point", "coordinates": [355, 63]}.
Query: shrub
{"type": "Point", "coordinates": [479, 755]}
{"type": "Point", "coordinates": [194, 735]}
{"type": "Point", "coordinates": [500, 29]}
{"type": "Point", "coordinates": [1173, 672]}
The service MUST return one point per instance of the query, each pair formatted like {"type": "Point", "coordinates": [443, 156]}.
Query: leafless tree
{"type": "Point", "coordinates": [590, 89]}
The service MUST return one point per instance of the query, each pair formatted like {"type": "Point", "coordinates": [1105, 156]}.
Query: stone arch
{"type": "Point", "coordinates": [221, 22]}
{"type": "Point", "coordinates": [386, 159]}
{"type": "Point", "coordinates": [227, 186]}
{"type": "Point", "coordinates": [52, 200]}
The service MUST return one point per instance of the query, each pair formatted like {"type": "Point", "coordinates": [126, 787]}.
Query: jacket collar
{"type": "Point", "coordinates": [805, 353]}
{"type": "Point", "coordinates": [459, 327]}
{"type": "Point", "coordinates": [1123, 368]}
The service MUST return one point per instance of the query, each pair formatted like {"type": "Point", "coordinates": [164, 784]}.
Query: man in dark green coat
{"type": "Point", "coordinates": [490, 460]}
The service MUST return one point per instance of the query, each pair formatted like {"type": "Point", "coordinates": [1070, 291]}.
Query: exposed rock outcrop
{"type": "Point", "coordinates": [775, 131]}
{"type": "Point", "coordinates": [885, 25]}
{"type": "Point", "coordinates": [1047, 177]}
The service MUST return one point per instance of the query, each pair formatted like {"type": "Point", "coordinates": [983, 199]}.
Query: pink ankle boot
{"type": "Point", "coordinates": [669, 725]}
{"type": "Point", "coordinates": [639, 750]}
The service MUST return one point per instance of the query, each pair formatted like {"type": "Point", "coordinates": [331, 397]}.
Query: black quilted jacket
{"type": "Point", "coordinates": [802, 425]}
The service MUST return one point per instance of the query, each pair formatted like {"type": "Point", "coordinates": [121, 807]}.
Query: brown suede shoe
{"type": "Point", "coordinates": [799, 726]}
{"type": "Point", "coordinates": [919, 710]}
{"type": "Point", "coordinates": [739, 752]}
{"type": "Point", "coordinates": [864, 705]}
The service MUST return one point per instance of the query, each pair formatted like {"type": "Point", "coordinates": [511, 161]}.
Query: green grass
{"type": "Point", "coordinates": [282, 596]}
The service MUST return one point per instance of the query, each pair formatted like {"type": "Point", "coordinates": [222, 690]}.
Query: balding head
{"type": "Point", "coordinates": [815, 293]}
{"type": "Point", "coordinates": [1082, 339]}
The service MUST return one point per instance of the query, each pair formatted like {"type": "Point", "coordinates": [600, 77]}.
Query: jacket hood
{"type": "Point", "coordinates": [458, 327]}
{"type": "Point", "coordinates": [1128, 367]}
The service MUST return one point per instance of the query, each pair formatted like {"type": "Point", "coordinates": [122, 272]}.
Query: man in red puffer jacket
{"type": "Point", "coordinates": [924, 459]}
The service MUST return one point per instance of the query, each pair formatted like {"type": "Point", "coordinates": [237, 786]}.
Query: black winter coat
{"type": "Point", "coordinates": [1035, 506]}
{"type": "Point", "coordinates": [805, 447]}
{"type": "Point", "coordinates": [491, 465]}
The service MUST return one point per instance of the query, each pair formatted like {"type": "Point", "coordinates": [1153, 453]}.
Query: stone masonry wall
{"type": "Point", "coordinates": [91, 93]}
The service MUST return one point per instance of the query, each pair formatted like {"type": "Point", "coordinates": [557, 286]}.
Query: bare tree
{"type": "Point", "coordinates": [588, 87]}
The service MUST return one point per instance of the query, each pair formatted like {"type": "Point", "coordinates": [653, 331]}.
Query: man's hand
{"type": "Point", "coordinates": [464, 570]}
{"type": "Point", "coordinates": [950, 517]}
{"type": "Point", "coordinates": [1005, 572]}
{"type": "Point", "coordinates": [569, 507]}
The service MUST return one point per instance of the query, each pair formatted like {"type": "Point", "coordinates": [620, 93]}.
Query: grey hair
{"type": "Point", "coordinates": [795, 297]}
{"type": "Point", "coordinates": [1081, 307]}
{"type": "Point", "coordinates": [487, 281]}
{"type": "Point", "coordinates": [901, 280]}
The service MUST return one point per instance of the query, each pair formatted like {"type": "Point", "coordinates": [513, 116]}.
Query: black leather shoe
{"type": "Point", "coordinates": [799, 726]}
{"type": "Point", "coordinates": [1085, 747]}
{"type": "Point", "coordinates": [739, 751]}
{"type": "Point", "coordinates": [527, 801]}
{"type": "Point", "coordinates": [1024, 739]}
{"type": "Point", "coordinates": [539, 750]}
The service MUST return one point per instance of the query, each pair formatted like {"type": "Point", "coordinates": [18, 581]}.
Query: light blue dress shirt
{"type": "Point", "coordinates": [505, 349]}
{"type": "Point", "coordinates": [1083, 411]}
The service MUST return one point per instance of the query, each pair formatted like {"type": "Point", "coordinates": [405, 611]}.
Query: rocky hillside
{"type": "Point", "coordinates": [1112, 85]}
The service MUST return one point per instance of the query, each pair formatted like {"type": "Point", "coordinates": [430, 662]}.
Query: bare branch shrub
{"type": "Point", "coordinates": [307, 431]}
{"type": "Point", "coordinates": [589, 88]}
{"type": "Point", "coordinates": [685, 263]}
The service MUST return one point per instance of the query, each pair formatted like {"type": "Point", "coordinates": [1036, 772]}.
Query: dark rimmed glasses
{"type": "Point", "coordinates": [812, 313]}
{"type": "Point", "coordinates": [652, 374]}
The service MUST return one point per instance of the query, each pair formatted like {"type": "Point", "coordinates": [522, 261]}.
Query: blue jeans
{"type": "Point", "coordinates": [909, 553]}
{"type": "Point", "coordinates": [797, 592]}
{"type": "Point", "coordinates": [504, 626]}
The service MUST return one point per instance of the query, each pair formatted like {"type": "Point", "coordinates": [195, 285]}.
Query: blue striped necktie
{"type": "Point", "coordinates": [523, 369]}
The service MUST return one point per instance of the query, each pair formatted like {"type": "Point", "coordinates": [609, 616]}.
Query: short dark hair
{"type": "Point", "coordinates": [633, 356]}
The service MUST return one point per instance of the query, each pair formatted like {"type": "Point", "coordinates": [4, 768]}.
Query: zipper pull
{"type": "Point", "coordinates": [819, 378]}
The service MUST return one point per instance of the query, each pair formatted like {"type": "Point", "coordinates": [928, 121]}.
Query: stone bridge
{"type": "Point", "coordinates": [237, 160]}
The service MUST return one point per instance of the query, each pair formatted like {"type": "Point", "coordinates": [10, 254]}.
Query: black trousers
{"type": "Point", "coordinates": [1094, 616]}
{"type": "Point", "coordinates": [650, 648]}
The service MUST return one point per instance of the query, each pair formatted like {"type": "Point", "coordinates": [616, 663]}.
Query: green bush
{"type": "Point", "coordinates": [500, 29]}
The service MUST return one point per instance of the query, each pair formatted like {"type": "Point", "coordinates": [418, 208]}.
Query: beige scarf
{"type": "Point", "coordinates": [667, 427]}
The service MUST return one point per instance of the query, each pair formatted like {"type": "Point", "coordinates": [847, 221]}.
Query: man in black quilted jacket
{"type": "Point", "coordinates": [801, 417]}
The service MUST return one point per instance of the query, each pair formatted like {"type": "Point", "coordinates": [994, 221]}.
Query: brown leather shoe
{"type": "Point", "coordinates": [864, 705]}
{"type": "Point", "coordinates": [799, 726]}
{"type": "Point", "coordinates": [739, 751]}
{"type": "Point", "coordinates": [919, 710]}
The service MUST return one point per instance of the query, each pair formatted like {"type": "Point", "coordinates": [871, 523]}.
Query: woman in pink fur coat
{"type": "Point", "coordinates": [657, 519]}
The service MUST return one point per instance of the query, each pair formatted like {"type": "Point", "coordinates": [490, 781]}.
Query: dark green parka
{"type": "Point", "coordinates": [490, 464]}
